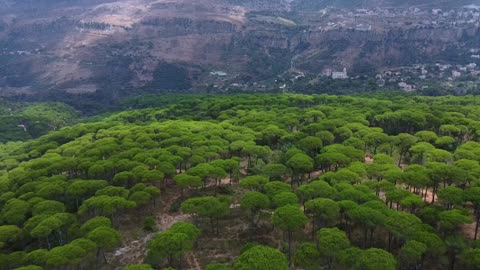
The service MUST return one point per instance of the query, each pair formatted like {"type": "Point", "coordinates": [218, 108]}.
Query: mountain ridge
{"type": "Point", "coordinates": [105, 50]}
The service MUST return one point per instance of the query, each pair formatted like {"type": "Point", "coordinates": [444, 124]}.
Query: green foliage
{"type": "Point", "coordinates": [149, 224]}
{"type": "Point", "coordinates": [94, 223]}
{"type": "Point", "coordinates": [105, 204]}
{"type": "Point", "coordinates": [471, 258]}
{"type": "Point", "coordinates": [412, 251]}
{"type": "Point", "coordinates": [105, 237]}
{"type": "Point", "coordinates": [373, 258]}
{"type": "Point", "coordinates": [308, 257]}
{"type": "Point", "coordinates": [325, 211]}
{"type": "Point", "coordinates": [9, 233]}
{"type": "Point", "coordinates": [188, 181]}
{"type": "Point", "coordinates": [29, 267]}
{"type": "Point", "coordinates": [451, 219]}
{"type": "Point", "coordinates": [62, 194]}
{"type": "Point", "coordinates": [255, 182]}
{"type": "Point", "coordinates": [218, 266]}
{"type": "Point", "coordinates": [23, 121]}
{"type": "Point", "coordinates": [300, 163]}
{"type": "Point", "coordinates": [275, 187]}
{"type": "Point", "coordinates": [285, 198]}
{"type": "Point", "coordinates": [211, 207]}
{"type": "Point", "coordinates": [261, 258]}
{"type": "Point", "coordinates": [186, 228]}
{"type": "Point", "coordinates": [332, 241]}
{"type": "Point", "coordinates": [173, 243]}
{"type": "Point", "coordinates": [289, 218]}
{"type": "Point", "coordinates": [254, 202]}
{"type": "Point", "coordinates": [138, 267]}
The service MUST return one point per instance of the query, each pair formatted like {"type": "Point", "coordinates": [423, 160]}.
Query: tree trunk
{"type": "Point", "coordinates": [389, 241]}
{"type": "Point", "coordinates": [60, 238]}
{"type": "Point", "coordinates": [289, 248]}
{"type": "Point", "coordinates": [212, 225]}
{"type": "Point", "coordinates": [48, 243]}
{"type": "Point", "coordinates": [96, 258]}
{"type": "Point", "coordinates": [254, 224]}
{"type": "Point", "coordinates": [452, 261]}
{"type": "Point", "coordinates": [329, 263]}
{"type": "Point", "coordinates": [349, 229]}
{"type": "Point", "coordinates": [365, 235]}
{"type": "Point", "coordinates": [313, 229]}
{"type": "Point", "coordinates": [371, 237]}
{"type": "Point", "coordinates": [104, 257]}
{"type": "Point", "coordinates": [477, 218]}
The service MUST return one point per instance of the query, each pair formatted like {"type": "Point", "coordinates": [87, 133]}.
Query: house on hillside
{"type": "Point", "coordinates": [340, 74]}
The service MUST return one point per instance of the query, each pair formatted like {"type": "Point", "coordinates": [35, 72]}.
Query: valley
{"type": "Point", "coordinates": [239, 134]}
{"type": "Point", "coordinates": [107, 50]}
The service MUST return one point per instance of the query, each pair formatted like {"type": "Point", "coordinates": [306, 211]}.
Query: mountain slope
{"type": "Point", "coordinates": [87, 51]}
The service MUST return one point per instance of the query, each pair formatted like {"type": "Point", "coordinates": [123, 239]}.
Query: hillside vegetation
{"type": "Point", "coordinates": [249, 182]}
{"type": "Point", "coordinates": [23, 121]}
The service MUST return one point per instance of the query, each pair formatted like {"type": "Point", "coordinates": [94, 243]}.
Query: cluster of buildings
{"type": "Point", "coordinates": [336, 75]}
{"type": "Point", "coordinates": [381, 19]}
{"type": "Point", "coordinates": [407, 78]}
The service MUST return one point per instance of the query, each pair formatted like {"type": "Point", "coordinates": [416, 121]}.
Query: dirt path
{"type": "Point", "coordinates": [134, 252]}
{"type": "Point", "coordinates": [314, 175]}
{"type": "Point", "coordinates": [165, 220]}
{"type": "Point", "coordinates": [192, 262]}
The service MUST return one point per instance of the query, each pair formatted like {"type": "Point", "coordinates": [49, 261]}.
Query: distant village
{"type": "Point", "coordinates": [407, 78]}
{"type": "Point", "coordinates": [381, 19]}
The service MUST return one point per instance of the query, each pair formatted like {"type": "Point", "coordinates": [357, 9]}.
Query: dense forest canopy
{"type": "Point", "coordinates": [23, 121]}
{"type": "Point", "coordinates": [249, 182]}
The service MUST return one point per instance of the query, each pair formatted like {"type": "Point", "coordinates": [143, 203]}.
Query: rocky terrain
{"type": "Point", "coordinates": [106, 49]}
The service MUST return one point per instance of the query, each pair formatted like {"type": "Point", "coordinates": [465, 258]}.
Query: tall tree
{"type": "Point", "coordinates": [261, 258]}
{"type": "Point", "coordinates": [105, 238]}
{"type": "Point", "coordinates": [254, 202]}
{"type": "Point", "coordinates": [209, 207]}
{"type": "Point", "coordinates": [289, 218]}
{"type": "Point", "coordinates": [323, 212]}
{"type": "Point", "coordinates": [332, 241]}
{"type": "Point", "coordinates": [473, 195]}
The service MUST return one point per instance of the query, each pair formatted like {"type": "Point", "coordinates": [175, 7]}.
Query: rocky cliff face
{"type": "Point", "coordinates": [354, 49]}
{"type": "Point", "coordinates": [104, 50]}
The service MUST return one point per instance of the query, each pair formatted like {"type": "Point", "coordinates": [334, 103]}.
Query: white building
{"type": "Point", "coordinates": [340, 75]}
{"type": "Point", "coordinates": [406, 87]}
{"type": "Point", "coordinates": [218, 73]}
{"type": "Point", "coordinates": [327, 72]}
{"type": "Point", "coordinates": [456, 74]}
{"type": "Point", "coordinates": [471, 66]}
